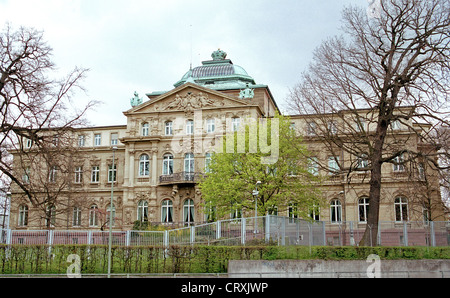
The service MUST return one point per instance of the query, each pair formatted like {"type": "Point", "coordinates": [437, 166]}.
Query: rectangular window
{"type": "Point", "coordinates": [235, 122]}
{"type": "Point", "coordinates": [81, 140]}
{"type": "Point", "coordinates": [210, 125]}
{"type": "Point", "coordinates": [112, 173]}
{"type": "Point", "coordinates": [168, 128]}
{"type": "Point", "coordinates": [95, 174]}
{"type": "Point", "coordinates": [190, 127]}
{"type": "Point", "coordinates": [114, 139]}
{"type": "Point", "coordinates": [97, 139]}
{"type": "Point", "coordinates": [78, 174]}
{"type": "Point", "coordinates": [313, 166]}
{"type": "Point", "coordinates": [398, 165]}
{"type": "Point", "coordinates": [333, 164]}
{"type": "Point", "coordinates": [145, 129]}
{"type": "Point", "coordinates": [311, 127]}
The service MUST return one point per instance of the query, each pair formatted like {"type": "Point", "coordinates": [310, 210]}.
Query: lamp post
{"type": "Point", "coordinates": [114, 148]}
{"type": "Point", "coordinates": [255, 193]}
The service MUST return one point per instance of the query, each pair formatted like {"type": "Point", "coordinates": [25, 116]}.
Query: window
{"type": "Point", "coordinates": [311, 127]}
{"type": "Point", "coordinates": [335, 211]}
{"type": "Point", "coordinates": [395, 125]}
{"type": "Point", "coordinates": [236, 213]}
{"type": "Point", "coordinates": [142, 212]}
{"type": "Point", "coordinates": [189, 163]}
{"type": "Point", "coordinates": [167, 211]}
{"type": "Point", "coordinates": [55, 140]}
{"type": "Point", "coordinates": [398, 165]}
{"type": "Point", "coordinates": [144, 165]}
{"type": "Point", "coordinates": [293, 211]}
{"type": "Point", "coordinates": [401, 209]}
{"type": "Point", "coordinates": [112, 173]}
{"type": "Point", "coordinates": [360, 125]}
{"type": "Point", "coordinates": [190, 127]}
{"type": "Point", "coordinates": [168, 128]}
{"type": "Point", "coordinates": [53, 174]}
{"type": "Point", "coordinates": [210, 125]}
{"type": "Point", "coordinates": [235, 122]}
{"type": "Point", "coordinates": [313, 166]}
{"type": "Point", "coordinates": [333, 164]}
{"type": "Point", "coordinates": [23, 215]}
{"type": "Point", "coordinates": [78, 174]}
{"type": "Point", "coordinates": [28, 143]}
{"type": "Point", "coordinates": [168, 164]}
{"type": "Point", "coordinates": [81, 140]}
{"type": "Point", "coordinates": [95, 174]}
{"type": "Point", "coordinates": [363, 209]}
{"type": "Point", "coordinates": [50, 216]}
{"type": "Point", "coordinates": [314, 212]}
{"type": "Point", "coordinates": [188, 211]}
{"type": "Point", "coordinates": [207, 162]}
{"type": "Point", "coordinates": [26, 175]}
{"type": "Point", "coordinates": [108, 214]}
{"type": "Point", "coordinates": [144, 131]}
{"type": "Point", "coordinates": [362, 161]}
{"type": "Point", "coordinates": [421, 170]}
{"type": "Point", "coordinates": [76, 218]}
{"type": "Point", "coordinates": [332, 127]}
{"type": "Point", "coordinates": [93, 218]}
{"type": "Point", "coordinates": [97, 139]}
{"type": "Point", "coordinates": [114, 139]}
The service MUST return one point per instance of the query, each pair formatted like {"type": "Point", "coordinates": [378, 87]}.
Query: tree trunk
{"type": "Point", "coordinates": [370, 234]}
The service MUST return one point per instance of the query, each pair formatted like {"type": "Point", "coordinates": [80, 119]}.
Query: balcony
{"type": "Point", "coordinates": [181, 177]}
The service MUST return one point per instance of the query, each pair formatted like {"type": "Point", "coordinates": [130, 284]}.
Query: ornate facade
{"type": "Point", "coordinates": [165, 146]}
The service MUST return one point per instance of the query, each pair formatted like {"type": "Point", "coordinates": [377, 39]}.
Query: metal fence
{"type": "Point", "coordinates": [247, 231]}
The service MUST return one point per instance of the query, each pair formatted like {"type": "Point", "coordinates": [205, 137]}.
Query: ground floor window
{"type": "Point", "coordinates": [167, 211]}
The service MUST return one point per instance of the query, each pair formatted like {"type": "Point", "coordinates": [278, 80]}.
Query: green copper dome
{"type": "Point", "coordinates": [219, 73]}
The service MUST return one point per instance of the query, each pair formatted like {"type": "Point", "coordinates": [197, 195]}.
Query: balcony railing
{"type": "Point", "coordinates": [181, 177]}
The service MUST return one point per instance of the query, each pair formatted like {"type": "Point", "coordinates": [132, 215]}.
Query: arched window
{"type": "Point", "coordinates": [113, 210]}
{"type": "Point", "coordinates": [23, 215]}
{"type": "Point", "coordinates": [168, 164]}
{"type": "Point", "coordinates": [335, 211]}
{"type": "Point", "coordinates": [93, 216]}
{"type": "Point", "coordinates": [50, 216]}
{"type": "Point", "coordinates": [363, 209]}
{"type": "Point", "coordinates": [401, 209]}
{"type": "Point", "coordinates": [144, 165]}
{"type": "Point", "coordinates": [144, 131]}
{"type": "Point", "coordinates": [188, 211]}
{"type": "Point", "coordinates": [142, 212]}
{"type": "Point", "coordinates": [167, 211]}
{"type": "Point", "coordinates": [76, 218]}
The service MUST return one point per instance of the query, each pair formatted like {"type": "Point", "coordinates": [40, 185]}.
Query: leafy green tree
{"type": "Point", "coordinates": [286, 183]}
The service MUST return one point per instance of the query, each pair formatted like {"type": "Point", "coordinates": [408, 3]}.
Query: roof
{"type": "Point", "coordinates": [217, 74]}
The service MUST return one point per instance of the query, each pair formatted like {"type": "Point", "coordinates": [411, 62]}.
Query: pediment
{"type": "Point", "coordinates": [188, 97]}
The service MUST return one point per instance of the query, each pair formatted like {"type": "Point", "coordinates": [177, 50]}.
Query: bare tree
{"type": "Point", "coordinates": [31, 98]}
{"type": "Point", "coordinates": [384, 71]}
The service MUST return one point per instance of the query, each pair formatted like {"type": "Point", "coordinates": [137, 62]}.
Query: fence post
{"type": "Point", "coordinates": [128, 237]}
{"type": "Point", "coordinates": [405, 233]}
{"type": "Point", "coordinates": [432, 235]}
{"type": "Point", "coordinates": [8, 236]}
{"type": "Point", "coordinates": [243, 231]}
{"type": "Point", "coordinates": [218, 228]}
{"type": "Point", "coordinates": [166, 238]}
{"type": "Point", "coordinates": [49, 240]}
{"type": "Point", "coordinates": [352, 236]}
{"type": "Point", "coordinates": [267, 231]}
{"type": "Point", "coordinates": [283, 231]}
{"type": "Point", "coordinates": [379, 234]}
{"type": "Point", "coordinates": [192, 236]}
{"type": "Point", "coordinates": [324, 233]}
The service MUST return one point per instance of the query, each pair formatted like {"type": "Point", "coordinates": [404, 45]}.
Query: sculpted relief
{"type": "Point", "coordinates": [190, 102]}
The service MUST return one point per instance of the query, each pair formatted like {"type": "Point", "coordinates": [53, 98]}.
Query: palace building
{"type": "Point", "coordinates": [152, 164]}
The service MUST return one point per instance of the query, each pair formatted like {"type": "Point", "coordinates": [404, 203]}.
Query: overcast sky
{"type": "Point", "coordinates": [145, 46]}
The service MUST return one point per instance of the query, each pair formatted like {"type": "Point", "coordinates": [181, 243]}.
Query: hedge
{"type": "Point", "coordinates": [42, 259]}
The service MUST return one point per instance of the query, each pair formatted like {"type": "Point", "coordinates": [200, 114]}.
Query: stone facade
{"type": "Point", "coordinates": [163, 149]}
